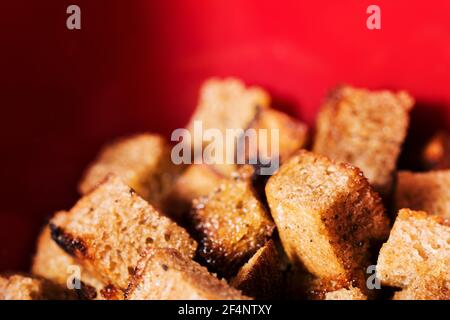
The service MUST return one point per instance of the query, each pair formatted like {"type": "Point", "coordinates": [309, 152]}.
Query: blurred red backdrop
{"type": "Point", "coordinates": [137, 65]}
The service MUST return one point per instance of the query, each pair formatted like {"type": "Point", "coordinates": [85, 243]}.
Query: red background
{"type": "Point", "coordinates": [137, 65]}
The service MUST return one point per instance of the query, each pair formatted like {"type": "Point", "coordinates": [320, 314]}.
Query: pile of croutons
{"type": "Point", "coordinates": [146, 228]}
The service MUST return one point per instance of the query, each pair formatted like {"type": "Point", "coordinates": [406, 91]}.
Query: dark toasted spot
{"type": "Point", "coordinates": [67, 242]}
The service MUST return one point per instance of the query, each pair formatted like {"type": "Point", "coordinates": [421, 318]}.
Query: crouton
{"type": "Point", "coordinates": [429, 192]}
{"type": "Point", "coordinates": [196, 181]}
{"type": "Point", "coordinates": [364, 128]}
{"type": "Point", "coordinates": [346, 294]}
{"type": "Point", "coordinates": [436, 155]}
{"type": "Point", "coordinates": [165, 274]}
{"type": "Point", "coordinates": [52, 263]}
{"type": "Point", "coordinates": [227, 104]}
{"type": "Point", "coordinates": [231, 223]}
{"type": "Point", "coordinates": [24, 287]}
{"type": "Point", "coordinates": [261, 277]}
{"type": "Point", "coordinates": [142, 161]}
{"type": "Point", "coordinates": [293, 134]}
{"type": "Point", "coordinates": [417, 243]}
{"type": "Point", "coordinates": [108, 228]}
{"type": "Point", "coordinates": [431, 285]}
{"type": "Point", "coordinates": [327, 216]}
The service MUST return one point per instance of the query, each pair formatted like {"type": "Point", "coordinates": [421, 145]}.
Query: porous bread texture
{"type": "Point", "coordinates": [142, 161]}
{"type": "Point", "coordinates": [364, 128]}
{"type": "Point", "coordinates": [25, 287]}
{"type": "Point", "coordinates": [52, 263]}
{"type": "Point", "coordinates": [417, 243]}
{"type": "Point", "coordinates": [196, 181]}
{"type": "Point", "coordinates": [231, 224]}
{"type": "Point", "coordinates": [108, 228]}
{"type": "Point", "coordinates": [165, 274]}
{"type": "Point", "coordinates": [327, 217]}
{"type": "Point", "coordinates": [427, 191]}
{"type": "Point", "coordinates": [346, 294]}
{"type": "Point", "coordinates": [262, 276]}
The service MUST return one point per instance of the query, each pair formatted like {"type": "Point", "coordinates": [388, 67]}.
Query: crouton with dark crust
{"type": "Point", "coordinates": [261, 277]}
{"type": "Point", "coordinates": [142, 161]}
{"type": "Point", "coordinates": [24, 287]}
{"type": "Point", "coordinates": [425, 191]}
{"type": "Point", "coordinates": [52, 263]}
{"type": "Point", "coordinates": [231, 224]}
{"type": "Point", "coordinates": [327, 217]}
{"type": "Point", "coordinates": [364, 128]}
{"type": "Point", "coordinates": [418, 247]}
{"type": "Point", "coordinates": [165, 274]}
{"type": "Point", "coordinates": [108, 228]}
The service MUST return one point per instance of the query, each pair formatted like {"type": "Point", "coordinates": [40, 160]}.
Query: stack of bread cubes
{"type": "Point", "coordinates": [145, 228]}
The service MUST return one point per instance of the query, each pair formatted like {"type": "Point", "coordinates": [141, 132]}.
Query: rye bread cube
{"type": "Point", "coordinates": [432, 285]}
{"type": "Point", "coordinates": [327, 216]}
{"type": "Point", "coordinates": [165, 274]}
{"type": "Point", "coordinates": [262, 276]}
{"type": "Point", "coordinates": [364, 128]}
{"type": "Point", "coordinates": [292, 135]}
{"type": "Point", "coordinates": [142, 161]}
{"type": "Point", "coordinates": [427, 191]}
{"type": "Point", "coordinates": [351, 293]}
{"type": "Point", "coordinates": [27, 287]}
{"type": "Point", "coordinates": [109, 227]}
{"type": "Point", "coordinates": [417, 244]}
{"type": "Point", "coordinates": [54, 264]}
{"type": "Point", "coordinates": [231, 224]}
{"type": "Point", "coordinates": [196, 181]}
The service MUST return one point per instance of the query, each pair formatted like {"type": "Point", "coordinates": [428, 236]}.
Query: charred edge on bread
{"type": "Point", "coordinates": [86, 292]}
{"type": "Point", "coordinates": [67, 242]}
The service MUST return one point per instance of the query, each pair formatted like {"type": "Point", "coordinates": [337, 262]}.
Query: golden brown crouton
{"type": "Point", "coordinates": [327, 216]}
{"type": "Point", "coordinates": [52, 263]}
{"type": "Point", "coordinates": [108, 228]}
{"type": "Point", "coordinates": [436, 155]}
{"type": "Point", "coordinates": [261, 277]}
{"type": "Point", "coordinates": [351, 293]}
{"type": "Point", "coordinates": [430, 285]}
{"type": "Point", "coordinates": [165, 274]}
{"type": "Point", "coordinates": [232, 224]}
{"type": "Point", "coordinates": [364, 128]}
{"type": "Point", "coordinates": [293, 134]}
{"type": "Point", "coordinates": [417, 243]}
{"type": "Point", "coordinates": [142, 161]}
{"type": "Point", "coordinates": [228, 104]}
{"type": "Point", "coordinates": [196, 181]}
{"type": "Point", "coordinates": [23, 287]}
{"type": "Point", "coordinates": [429, 192]}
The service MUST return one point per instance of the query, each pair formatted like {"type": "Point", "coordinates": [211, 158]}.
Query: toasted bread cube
{"type": "Point", "coordinates": [292, 134]}
{"type": "Point", "coordinates": [228, 104]}
{"type": "Point", "coordinates": [24, 287]}
{"type": "Point", "coordinates": [431, 285]}
{"type": "Point", "coordinates": [429, 192]}
{"type": "Point", "coordinates": [231, 223]}
{"type": "Point", "coordinates": [350, 293]}
{"type": "Point", "coordinates": [165, 274]}
{"type": "Point", "coordinates": [52, 263]}
{"type": "Point", "coordinates": [364, 128]}
{"type": "Point", "coordinates": [196, 181]}
{"type": "Point", "coordinates": [261, 277]}
{"type": "Point", "coordinates": [436, 155]}
{"type": "Point", "coordinates": [108, 229]}
{"type": "Point", "coordinates": [417, 243]}
{"type": "Point", "coordinates": [327, 216]}
{"type": "Point", "coordinates": [143, 162]}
